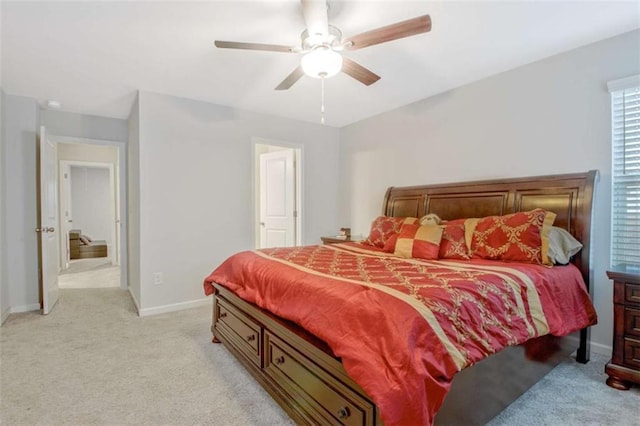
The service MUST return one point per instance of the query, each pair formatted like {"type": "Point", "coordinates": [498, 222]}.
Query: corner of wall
{"type": "Point", "coordinates": [4, 290]}
{"type": "Point", "coordinates": [133, 194]}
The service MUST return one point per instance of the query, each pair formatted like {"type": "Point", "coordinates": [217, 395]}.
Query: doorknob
{"type": "Point", "coordinates": [49, 229]}
{"type": "Point", "coordinates": [261, 223]}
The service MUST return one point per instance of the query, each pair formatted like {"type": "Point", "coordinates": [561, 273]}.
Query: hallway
{"type": "Point", "coordinates": [90, 273]}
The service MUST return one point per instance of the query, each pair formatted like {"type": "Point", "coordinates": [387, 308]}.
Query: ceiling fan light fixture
{"type": "Point", "coordinates": [321, 62]}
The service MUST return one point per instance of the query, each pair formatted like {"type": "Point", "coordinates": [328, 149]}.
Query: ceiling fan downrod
{"type": "Point", "coordinates": [322, 99]}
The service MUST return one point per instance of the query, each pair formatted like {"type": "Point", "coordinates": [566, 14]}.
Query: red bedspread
{"type": "Point", "coordinates": [404, 327]}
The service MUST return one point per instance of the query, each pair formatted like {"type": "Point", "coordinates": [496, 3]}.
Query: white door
{"type": "Point", "coordinates": [48, 222]}
{"type": "Point", "coordinates": [277, 199]}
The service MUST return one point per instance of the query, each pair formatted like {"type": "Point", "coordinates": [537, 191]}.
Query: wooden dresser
{"type": "Point", "coordinates": [624, 367]}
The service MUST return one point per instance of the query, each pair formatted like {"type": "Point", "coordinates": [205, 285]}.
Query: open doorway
{"type": "Point", "coordinates": [277, 195]}
{"type": "Point", "coordinates": [89, 182]}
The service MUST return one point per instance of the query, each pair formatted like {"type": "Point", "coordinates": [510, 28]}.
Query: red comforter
{"type": "Point", "coordinates": [404, 327]}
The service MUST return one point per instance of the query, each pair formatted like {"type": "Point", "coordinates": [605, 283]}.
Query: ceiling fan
{"type": "Point", "coordinates": [322, 45]}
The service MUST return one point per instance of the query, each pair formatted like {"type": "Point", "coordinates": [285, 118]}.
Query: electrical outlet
{"type": "Point", "coordinates": [157, 278]}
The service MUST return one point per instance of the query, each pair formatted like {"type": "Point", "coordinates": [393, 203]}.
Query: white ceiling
{"type": "Point", "coordinates": [93, 56]}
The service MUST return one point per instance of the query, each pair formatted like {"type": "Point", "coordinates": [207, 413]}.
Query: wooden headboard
{"type": "Point", "coordinates": [569, 196]}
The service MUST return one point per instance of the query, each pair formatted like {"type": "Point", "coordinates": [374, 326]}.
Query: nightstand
{"type": "Point", "coordinates": [624, 367]}
{"type": "Point", "coordinates": [335, 240]}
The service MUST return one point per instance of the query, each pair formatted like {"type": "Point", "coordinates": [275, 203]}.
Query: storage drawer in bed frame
{"type": "Point", "coordinates": [240, 331]}
{"type": "Point", "coordinates": [322, 392]}
{"type": "Point", "coordinates": [318, 391]}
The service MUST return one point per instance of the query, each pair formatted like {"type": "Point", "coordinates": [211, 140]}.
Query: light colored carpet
{"type": "Point", "coordinates": [93, 361]}
{"type": "Point", "coordinates": [83, 265]}
{"type": "Point", "coordinates": [90, 273]}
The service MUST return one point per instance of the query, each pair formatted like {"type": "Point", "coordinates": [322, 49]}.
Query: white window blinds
{"type": "Point", "coordinates": [625, 203]}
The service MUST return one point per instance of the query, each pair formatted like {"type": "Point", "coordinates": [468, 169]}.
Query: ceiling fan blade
{"type": "Point", "coordinates": [421, 24]}
{"type": "Point", "coordinates": [252, 46]}
{"type": "Point", "coordinates": [291, 79]}
{"type": "Point", "coordinates": [359, 72]}
{"type": "Point", "coordinates": [315, 17]}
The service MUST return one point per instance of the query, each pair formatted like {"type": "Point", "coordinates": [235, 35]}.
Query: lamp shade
{"type": "Point", "coordinates": [321, 62]}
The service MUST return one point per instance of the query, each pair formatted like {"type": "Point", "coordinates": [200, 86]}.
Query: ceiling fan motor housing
{"type": "Point", "coordinates": [333, 39]}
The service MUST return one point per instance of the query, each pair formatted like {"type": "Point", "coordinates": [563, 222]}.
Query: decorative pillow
{"type": "Point", "coordinates": [384, 227]}
{"type": "Point", "coordinates": [390, 245]}
{"type": "Point", "coordinates": [521, 237]}
{"type": "Point", "coordinates": [419, 241]}
{"type": "Point", "coordinates": [453, 244]}
{"type": "Point", "coordinates": [430, 219]}
{"type": "Point", "coordinates": [84, 239]}
{"type": "Point", "coordinates": [562, 246]}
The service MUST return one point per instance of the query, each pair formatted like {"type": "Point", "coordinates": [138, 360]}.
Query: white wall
{"type": "Point", "coordinates": [19, 169]}
{"type": "Point", "coordinates": [4, 285]}
{"type": "Point", "coordinates": [548, 117]}
{"type": "Point", "coordinates": [92, 204]}
{"type": "Point", "coordinates": [196, 202]}
{"type": "Point", "coordinates": [64, 123]}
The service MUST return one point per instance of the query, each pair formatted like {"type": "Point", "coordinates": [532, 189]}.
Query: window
{"type": "Point", "coordinates": [625, 171]}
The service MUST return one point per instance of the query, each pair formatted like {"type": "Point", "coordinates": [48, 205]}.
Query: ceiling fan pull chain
{"type": "Point", "coordinates": [322, 100]}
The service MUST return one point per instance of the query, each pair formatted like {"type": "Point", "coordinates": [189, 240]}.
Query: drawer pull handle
{"type": "Point", "coordinates": [223, 314]}
{"type": "Point", "coordinates": [279, 360]}
{"type": "Point", "coordinates": [251, 338]}
{"type": "Point", "coordinates": [343, 413]}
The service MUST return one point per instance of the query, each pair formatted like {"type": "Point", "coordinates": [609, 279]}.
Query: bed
{"type": "Point", "coordinates": [309, 380]}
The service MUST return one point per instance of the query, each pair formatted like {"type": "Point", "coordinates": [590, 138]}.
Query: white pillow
{"type": "Point", "coordinates": [562, 246]}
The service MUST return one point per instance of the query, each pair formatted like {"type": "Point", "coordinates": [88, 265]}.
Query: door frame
{"type": "Point", "coordinates": [122, 195]}
{"type": "Point", "coordinates": [62, 165]}
{"type": "Point", "coordinates": [298, 151]}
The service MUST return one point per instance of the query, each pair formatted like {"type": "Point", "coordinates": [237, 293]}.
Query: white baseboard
{"type": "Point", "coordinates": [596, 348]}
{"type": "Point", "coordinates": [18, 309]}
{"type": "Point", "coordinates": [5, 315]}
{"type": "Point", "coordinates": [25, 308]}
{"type": "Point", "coordinates": [174, 307]}
{"type": "Point", "coordinates": [135, 301]}
{"type": "Point", "coordinates": [601, 349]}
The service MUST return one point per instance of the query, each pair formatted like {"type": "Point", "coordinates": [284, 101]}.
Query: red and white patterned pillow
{"type": "Point", "coordinates": [521, 237]}
{"type": "Point", "coordinates": [419, 241]}
{"type": "Point", "coordinates": [453, 244]}
{"type": "Point", "coordinates": [384, 227]}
